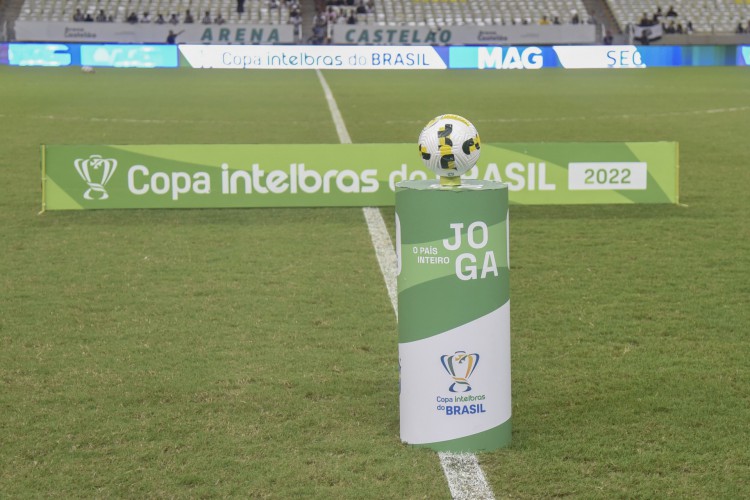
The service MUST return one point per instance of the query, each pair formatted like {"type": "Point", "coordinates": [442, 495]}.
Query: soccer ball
{"type": "Point", "coordinates": [88, 69]}
{"type": "Point", "coordinates": [449, 145]}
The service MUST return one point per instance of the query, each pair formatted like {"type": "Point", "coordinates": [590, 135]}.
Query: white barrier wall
{"type": "Point", "coordinates": [38, 31]}
{"type": "Point", "coordinates": [243, 34]}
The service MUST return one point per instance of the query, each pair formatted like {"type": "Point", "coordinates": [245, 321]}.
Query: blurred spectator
{"type": "Point", "coordinates": [544, 21]}
{"type": "Point", "coordinates": [173, 19]}
{"type": "Point", "coordinates": [556, 20]}
{"type": "Point", "coordinates": [89, 18]}
{"type": "Point", "coordinates": [645, 20]}
{"type": "Point", "coordinates": [318, 35]}
{"type": "Point", "coordinates": [671, 12]}
{"type": "Point", "coordinates": [296, 20]}
{"type": "Point", "coordinates": [132, 18]}
{"type": "Point", "coordinates": [145, 18]}
{"type": "Point", "coordinates": [361, 8]}
{"type": "Point", "coordinates": [78, 16]}
{"type": "Point", "coordinates": [219, 19]}
{"type": "Point", "coordinates": [645, 38]}
{"type": "Point", "coordinates": [188, 17]}
{"type": "Point", "coordinates": [608, 39]}
{"type": "Point", "coordinates": [319, 29]}
{"type": "Point", "coordinates": [240, 6]}
{"type": "Point", "coordinates": [331, 15]}
{"type": "Point", "coordinates": [101, 17]}
{"type": "Point", "coordinates": [172, 36]}
{"type": "Point", "coordinates": [206, 18]}
{"type": "Point", "coordinates": [352, 19]}
{"type": "Point", "coordinates": [740, 29]}
{"type": "Point", "coordinates": [576, 19]}
{"type": "Point", "coordinates": [159, 19]}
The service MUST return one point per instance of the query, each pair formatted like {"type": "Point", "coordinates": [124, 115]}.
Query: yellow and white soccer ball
{"type": "Point", "coordinates": [449, 145]}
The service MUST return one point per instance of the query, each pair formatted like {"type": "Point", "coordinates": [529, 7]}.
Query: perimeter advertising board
{"type": "Point", "coordinates": [379, 57]}
{"type": "Point", "coordinates": [308, 175]}
{"type": "Point", "coordinates": [743, 55]}
{"type": "Point", "coordinates": [314, 57]}
{"type": "Point", "coordinates": [465, 34]}
{"type": "Point", "coordinates": [99, 55]}
{"type": "Point", "coordinates": [456, 57]}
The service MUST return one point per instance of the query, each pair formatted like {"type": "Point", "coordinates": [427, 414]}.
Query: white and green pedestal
{"type": "Point", "coordinates": [454, 315]}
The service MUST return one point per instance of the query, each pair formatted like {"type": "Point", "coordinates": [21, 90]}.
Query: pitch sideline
{"type": "Point", "coordinates": [462, 471]}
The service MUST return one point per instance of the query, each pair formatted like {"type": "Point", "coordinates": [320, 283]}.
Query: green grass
{"type": "Point", "coordinates": [236, 353]}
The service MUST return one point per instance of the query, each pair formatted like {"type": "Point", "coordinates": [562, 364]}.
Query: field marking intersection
{"type": "Point", "coordinates": [463, 473]}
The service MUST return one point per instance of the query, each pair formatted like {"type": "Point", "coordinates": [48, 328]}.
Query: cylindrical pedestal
{"type": "Point", "coordinates": [454, 315]}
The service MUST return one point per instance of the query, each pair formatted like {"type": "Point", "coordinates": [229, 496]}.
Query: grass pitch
{"type": "Point", "coordinates": [236, 353]}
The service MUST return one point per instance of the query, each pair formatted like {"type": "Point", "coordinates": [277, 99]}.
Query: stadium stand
{"type": "Point", "coordinates": [705, 16]}
{"type": "Point", "coordinates": [473, 12]}
{"type": "Point", "coordinates": [380, 12]}
{"type": "Point", "coordinates": [692, 16]}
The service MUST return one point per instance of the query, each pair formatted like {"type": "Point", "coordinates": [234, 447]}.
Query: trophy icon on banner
{"type": "Point", "coordinates": [460, 366]}
{"type": "Point", "coordinates": [96, 172]}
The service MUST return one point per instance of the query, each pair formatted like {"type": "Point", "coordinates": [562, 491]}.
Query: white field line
{"type": "Point", "coordinates": [462, 471]}
{"type": "Point", "coordinates": [338, 120]}
{"type": "Point", "coordinates": [510, 120]}
{"type": "Point", "coordinates": [384, 252]}
{"type": "Point", "coordinates": [465, 477]}
{"type": "Point", "coordinates": [136, 121]}
{"type": "Point", "coordinates": [622, 116]}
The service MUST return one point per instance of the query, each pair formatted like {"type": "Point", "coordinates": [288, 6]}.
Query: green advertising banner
{"type": "Point", "coordinates": [309, 175]}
